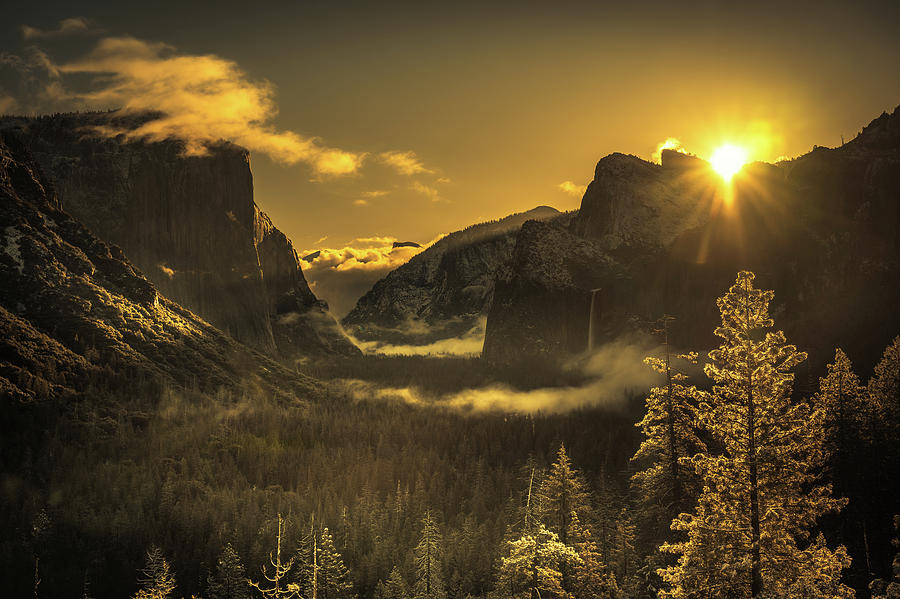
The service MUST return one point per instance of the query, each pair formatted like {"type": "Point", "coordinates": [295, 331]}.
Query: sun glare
{"type": "Point", "coordinates": [727, 160]}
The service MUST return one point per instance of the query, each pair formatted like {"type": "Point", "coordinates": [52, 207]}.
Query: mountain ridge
{"type": "Point", "coordinates": [78, 314]}
{"type": "Point", "coordinates": [444, 290]}
{"type": "Point", "coordinates": [191, 225]}
{"type": "Point", "coordinates": [823, 223]}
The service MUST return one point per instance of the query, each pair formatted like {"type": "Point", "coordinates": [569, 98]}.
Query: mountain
{"type": "Point", "coordinates": [76, 316]}
{"type": "Point", "coordinates": [655, 239]}
{"type": "Point", "coordinates": [190, 224]}
{"type": "Point", "coordinates": [443, 291]}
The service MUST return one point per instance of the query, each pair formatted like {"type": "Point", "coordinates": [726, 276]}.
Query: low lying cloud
{"type": "Point", "coordinates": [469, 343]}
{"type": "Point", "coordinates": [572, 188]}
{"type": "Point", "coordinates": [70, 26]}
{"type": "Point", "coordinates": [617, 372]}
{"type": "Point", "coordinates": [341, 276]}
{"type": "Point", "coordinates": [405, 163]}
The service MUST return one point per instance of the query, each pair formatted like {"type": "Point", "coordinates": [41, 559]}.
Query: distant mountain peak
{"type": "Point", "coordinates": [882, 134]}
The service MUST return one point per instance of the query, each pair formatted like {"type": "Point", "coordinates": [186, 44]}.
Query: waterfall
{"type": "Point", "coordinates": [591, 319]}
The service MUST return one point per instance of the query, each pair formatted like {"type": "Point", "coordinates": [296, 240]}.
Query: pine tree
{"type": "Point", "coordinates": [229, 580]}
{"type": "Point", "coordinates": [564, 494]}
{"type": "Point", "coordinates": [565, 498]}
{"type": "Point", "coordinates": [531, 569]}
{"type": "Point", "coordinates": [276, 584]}
{"type": "Point", "coordinates": [310, 568]}
{"type": "Point", "coordinates": [394, 587]}
{"type": "Point", "coordinates": [156, 579]}
{"type": "Point", "coordinates": [759, 500]}
{"type": "Point", "coordinates": [591, 576]}
{"type": "Point", "coordinates": [669, 435]}
{"type": "Point", "coordinates": [429, 553]}
{"type": "Point", "coordinates": [884, 391]}
{"type": "Point", "coordinates": [623, 557]}
{"type": "Point", "coordinates": [843, 402]}
{"type": "Point", "coordinates": [334, 577]}
{"type": "Point", "coordinates": [840, 398]}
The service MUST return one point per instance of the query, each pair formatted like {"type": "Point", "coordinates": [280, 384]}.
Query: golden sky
{"type": "Point", "coordinates": [408, 120]}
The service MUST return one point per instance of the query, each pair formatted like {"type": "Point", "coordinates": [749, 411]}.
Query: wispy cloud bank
{"type": "Point", "coordinates": [572, 188]}
{"type": "Point", "coordinates": [469, 343]}
{"type": "Point", "coordinates": [70, 26]}
{"type": "Point", "coordinates": [341, 276]}
{"type": "Point", "coordinates": [405, 163]}
{"type": "Point", "coordinates": [203, 99]}
{"type": "Point", "coordinates": [431, 193]}
{"type": "Point", "coordinates": [617, 372]}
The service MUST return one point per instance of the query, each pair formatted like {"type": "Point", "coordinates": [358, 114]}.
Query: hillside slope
{"type": "Point", "coordinates": [76, 315]}
{"type": "Point", "coordinates": [190, 224]}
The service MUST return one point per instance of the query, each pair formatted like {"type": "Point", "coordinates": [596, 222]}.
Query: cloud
{"type": "Point", "coordinates": [616, 370]}
{"type": "Point", "coordinates": [70, 26]}
{"type": "Point", "coordinates": [670, 143]}
{"type": "Point", "coordinates": [202, 99]}
{"type": "Point", "coordinates": [573, 189]}
{"type": "Point", "coordinates": [469, 343]}
{"type": "Point", "coordinates": [368, 195]}
{"type": "Point", "coordinates": [405, 163]}
{"type": "Point", "coordinates": [341, 276]}
{"type": "Point", "coordinates": [430, 192]}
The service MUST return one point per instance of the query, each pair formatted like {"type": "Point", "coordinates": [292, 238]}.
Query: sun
{"type": "Point", "coordinates": [727, 160]}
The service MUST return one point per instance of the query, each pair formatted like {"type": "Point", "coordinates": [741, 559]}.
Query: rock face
{"type": "Point", "coordinates": [444, 291]}
{"type": "Point", "coordinates": [546, 288]}
{"type": "Point", "coordinates": [635, 203]}
{"type": "Point", "coordinates": [75, 314]}
{"type": "Point", "coordinates": [821, 230]}
{"type": "Point", "coordinates": [191, 225]}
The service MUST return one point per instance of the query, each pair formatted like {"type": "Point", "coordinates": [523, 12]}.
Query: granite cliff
{"type": "Point", "coordinates": [190, 224]}
{"type": "Point", "coordinates": [77, 317]}
{"type": "Point", "coordinates": [821, 230]}
{"type": "Point", "coordinates": [444, 291]}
